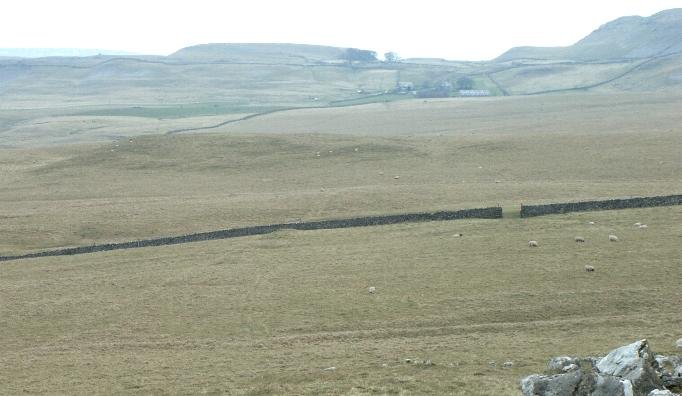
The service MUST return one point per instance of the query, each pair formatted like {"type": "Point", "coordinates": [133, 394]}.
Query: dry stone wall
{"type": "Point", "coordinates": [609, 204]}
{"type": "Point", "coordinates": [481, 213]}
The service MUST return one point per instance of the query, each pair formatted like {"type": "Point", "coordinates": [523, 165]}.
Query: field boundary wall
{"type": "Point", "coordinates": [480, 213]}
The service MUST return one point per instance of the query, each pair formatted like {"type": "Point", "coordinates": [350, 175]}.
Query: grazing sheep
{"type": "Point", "coordinates": [509, 364]}
{"type": "Point", "coordinates": [396, 177]}
{"type": "Point", "coordinates": [579, 239]}
{"type": "Point", "coordinates": [643, 226]}
{"type": "Point", "coordinates": [590, 222]}
{"type": "Point", "coordinates": [458, 235]}
{"type": "Point", "coordinates": [613, 238]}
{"type": "Point", "coordinates": [372, 290]}
{"type": "Point", "coordinates": [638, 224]}
{"type": "Point", "coordinates": [533, 244]}
{"type": "Point", "coordinates": [589, 268]}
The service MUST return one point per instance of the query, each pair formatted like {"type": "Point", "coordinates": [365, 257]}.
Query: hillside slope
{"type": "Point", "coordinates": [631, 37]}
{"type": "Point", "coordinates": [246, 52]}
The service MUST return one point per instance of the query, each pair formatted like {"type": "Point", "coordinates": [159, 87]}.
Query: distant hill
{"type": "Point", "coordinates": [631, 37]}
{"type": "Point", "coordinates": [48, 52]}
{"type": "Point", "coordinates": [245, 52]}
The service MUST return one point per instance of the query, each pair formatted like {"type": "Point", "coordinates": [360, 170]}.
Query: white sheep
{"type": "Point", "coordinates": [533, 244]}
{"type": "Point", "coordinates": [579, 239]}
{"type": "Point", "coordinates": [638, 224]}
{"type": "Point", "coordinates": [590, 222]}
{"type": "Point", "coordinates": [643, 226]}
{"type": "Point", "coordinates": [589, 268]}
{"type": "Point", "coordinates": [458, 235]}
{"type": "Point", "coordinates": [613, 238]}
{"type": "Point", "coordinates": [372, 290]}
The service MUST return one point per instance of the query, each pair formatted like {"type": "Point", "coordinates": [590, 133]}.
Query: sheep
{"type": "Point", "coordinates": [396, 177]}
{"type": "Point", "coordinates": [458, 235]}
{"type": "Point", "coordinates": [589, 268]}
{"type": "Point", "coordinates": [613, 238]}
{"type": "Point", "coordinates": [643, 226]}
{"type": "Point", "coordinates": [590, 222]}
{"type": "Point", "coordinates": [372, 290]}
{"type": "Point", "coordinates": [533, 244]}
{"type": "Point", "coordinates": [579, 239]}
{"type": "Point", "coordinates": [638, 224]}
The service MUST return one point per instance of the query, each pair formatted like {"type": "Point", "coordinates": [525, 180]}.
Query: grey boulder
{"type": "Point", "coordinates": [634, 362]}
{"type": "Point", "coordinates": [631, 370]}
{"type": "Point", "coordinates": [661, 392]}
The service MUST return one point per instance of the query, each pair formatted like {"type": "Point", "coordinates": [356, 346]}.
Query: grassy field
{"type": "Point", "coordinates": [548, 77]}
{"type": "Point", "coordinates": [267, 314]}
{"type": "Point", "coordinates": [462, 154]}
{"type": "Point", "coordinates": [54, 101]}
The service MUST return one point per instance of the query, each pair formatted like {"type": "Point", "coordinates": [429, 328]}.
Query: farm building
{"type": "Point", "coordinates": [404, 86]}
{"type": "Point", "coordinates": [474, 92]}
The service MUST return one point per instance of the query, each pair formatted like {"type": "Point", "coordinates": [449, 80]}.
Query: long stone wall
{"type": "Point", "coordinates": [609, 204]}
{"type": "Point", "coordinates": [482, 213]}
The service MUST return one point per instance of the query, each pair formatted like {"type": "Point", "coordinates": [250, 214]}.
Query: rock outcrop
{"type": "Point", "coordinates": [631, 370]}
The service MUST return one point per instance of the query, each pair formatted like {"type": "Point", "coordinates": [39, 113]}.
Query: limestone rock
{"type": "Point", "coordinates": [662, 392]}
{"type": "Point", "coordinates": [631, 370]}
{"type": "Point", "coordinates": [635, 363]}
{"type": "Point", "coordinates": [606, 386]}
{"type": "Point", "coordinates": [555, 385]}
{"type": "Point", "coordinates": [557, 364]}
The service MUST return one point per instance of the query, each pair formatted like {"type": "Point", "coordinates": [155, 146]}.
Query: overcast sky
{"type": "Point", "coordinates": [463, 30]}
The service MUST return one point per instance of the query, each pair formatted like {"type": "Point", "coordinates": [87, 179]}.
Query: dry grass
{"type": "Point", "coordinates": [547, 77]}
{"type": "Point", "coordinates": [161, 185]}
{"type": "Point", "coordinates": [264, 315]}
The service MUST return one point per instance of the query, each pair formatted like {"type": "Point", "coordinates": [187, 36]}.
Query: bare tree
{"type": "Point", "coordinates": [391, 57]}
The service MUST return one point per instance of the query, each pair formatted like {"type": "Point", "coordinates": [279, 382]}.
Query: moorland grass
{"type": "Point", "coordinates": [266, 314]}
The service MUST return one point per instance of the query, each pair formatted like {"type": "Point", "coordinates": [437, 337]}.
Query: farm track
{"type": "Point", "coordinates": [381, 333]}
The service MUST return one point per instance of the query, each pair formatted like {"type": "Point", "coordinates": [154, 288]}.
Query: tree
{"type": "Point", "coordinates": [358, 55]}
{"type": "Point", "coordinates": [391, 57]}
{"type": "Point", "coordinates": [465, 82]}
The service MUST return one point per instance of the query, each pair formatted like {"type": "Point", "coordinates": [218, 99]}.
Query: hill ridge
{"type": "Point", "coordinates": [628, 37]}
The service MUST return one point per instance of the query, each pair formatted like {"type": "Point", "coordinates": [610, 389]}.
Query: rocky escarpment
{"type": "Point", "coordinates": [631, 370]}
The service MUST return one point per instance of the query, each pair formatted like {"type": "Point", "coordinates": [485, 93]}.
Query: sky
{"type": "Point", "coordinates": [461, 30]}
